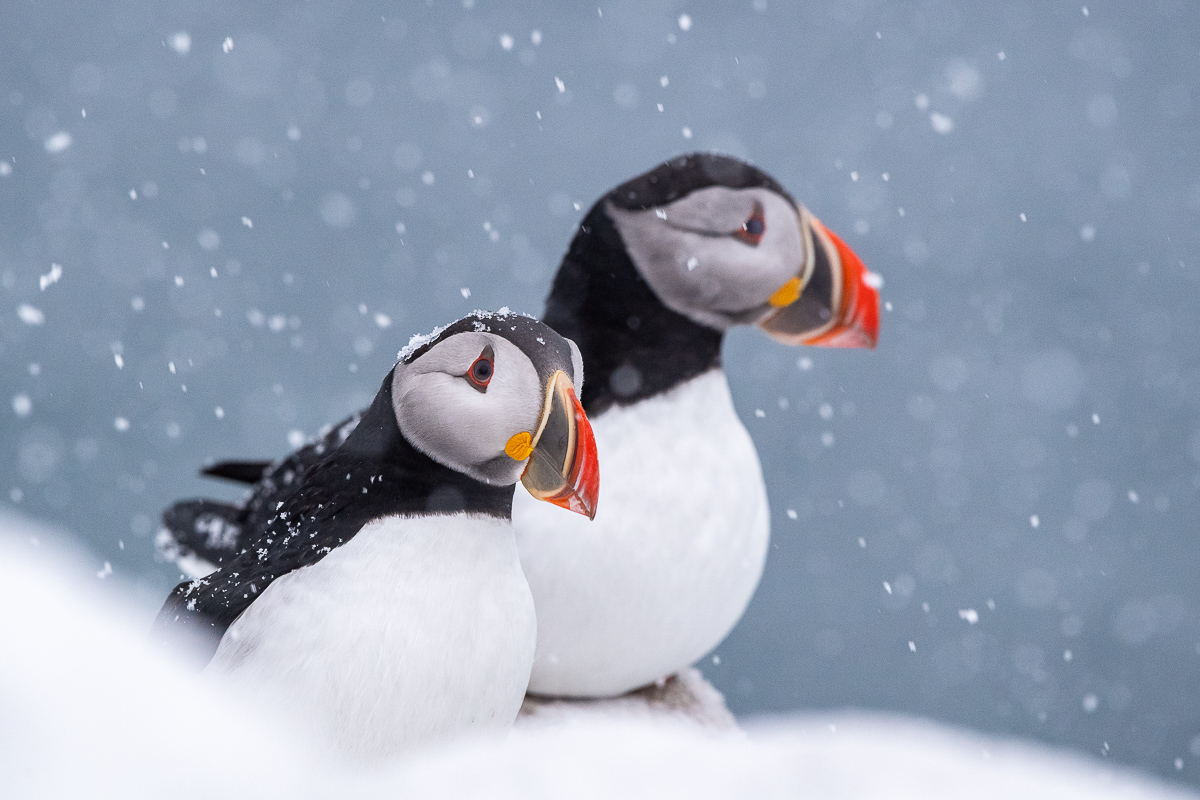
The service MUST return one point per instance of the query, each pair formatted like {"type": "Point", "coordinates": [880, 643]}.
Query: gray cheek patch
{"type": "Point", "coordinates": [714, 210]}
{"type": "Point", "coordinates": [668, 259]}
{"type": "Point", "coordinates": [450, 421]}
{"type": "Point", "coordinates": [684, 251]}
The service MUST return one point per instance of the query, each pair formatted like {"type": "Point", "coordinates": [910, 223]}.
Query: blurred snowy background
{"type": "Point", "coordinates": [220, 222]}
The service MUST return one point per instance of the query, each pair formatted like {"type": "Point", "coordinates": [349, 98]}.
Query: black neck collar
{"type": "Point", "coordinates": [633, 346]}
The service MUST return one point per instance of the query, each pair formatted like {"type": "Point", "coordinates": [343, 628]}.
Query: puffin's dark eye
{"type": "Point", "coordinates": [480, 372]}
{"type": "Point", "coordinates": [752, 230]}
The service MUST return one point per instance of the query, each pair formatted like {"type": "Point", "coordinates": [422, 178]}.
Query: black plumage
{"type": "Point", "coordinates": [188, 523]}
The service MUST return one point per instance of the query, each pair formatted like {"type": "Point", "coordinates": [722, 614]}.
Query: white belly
{"type": "Point", "coordinates": [671, 560]}
{"type": "Point", "coordinates": [413, 631]}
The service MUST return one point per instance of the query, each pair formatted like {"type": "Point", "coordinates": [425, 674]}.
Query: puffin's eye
{"type": "Point", "coordinates": [480, 372]}
{"type": "Point", "coordinates": [752, 230]}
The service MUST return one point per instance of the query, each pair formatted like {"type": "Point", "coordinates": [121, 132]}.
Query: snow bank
{"type": "Point", "coordinates": [87, 710]}
{"type": "Point", "coordinates": [847, 757]}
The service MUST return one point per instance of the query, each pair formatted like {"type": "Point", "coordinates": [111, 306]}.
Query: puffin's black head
{"type": "Point", "coordinates": [722, 243]}
{"type": "Point", "coordinates": [493, 396]}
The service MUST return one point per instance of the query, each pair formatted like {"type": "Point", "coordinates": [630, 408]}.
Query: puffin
{"type": "Point", "coordinates": [380, 596]}
{"type": "Point", "coordinates": [660, 268]}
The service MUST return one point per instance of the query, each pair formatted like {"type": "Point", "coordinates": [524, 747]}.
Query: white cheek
{"type": "Point", "coordinates": [449, 420]}
{"type": "Point", "coordinates": [693, 274]}
{"type": "Point", "coordinates": [682, 265]}
{"type": "Point", "coordinates": [455, 424]}
{"type": "Point", "coordinates": [707, 277]}
{"type": "Point", "coordinates": [515, 399]}
{"type": "Point", "coordinates": [752, 274]}
{"type": "Point", "coordinates": [716, 208]}
{"type": "Point", "coordinates": [669, 259]}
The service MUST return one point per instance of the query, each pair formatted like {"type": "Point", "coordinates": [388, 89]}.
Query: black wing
{"type": "Point", "coordinates": [205, 529]}
{"type": "Point", "coordinates": [305, 528]}
{"type": "Point", "coordinates": [213, 531]}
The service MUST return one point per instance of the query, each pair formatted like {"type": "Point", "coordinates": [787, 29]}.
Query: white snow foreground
{"type": "Point", "coordinates": [86, 710]}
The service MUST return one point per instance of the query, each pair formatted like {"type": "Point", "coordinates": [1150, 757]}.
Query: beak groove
{"type": "Point", "coordinates": [838, 305]}
{"type": "Point", "coordinates": [857, 322]}
{"type": "Point", "coordinates": [563, 466]}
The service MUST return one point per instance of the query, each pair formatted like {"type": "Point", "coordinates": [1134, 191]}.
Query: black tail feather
{"type": "Point", "coordinates": [240, 471]}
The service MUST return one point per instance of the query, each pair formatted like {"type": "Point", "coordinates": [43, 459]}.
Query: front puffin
{"type": "Point", "coordinates": [661, 268]}
{"type": "Point", "coordinates": [381, 598]}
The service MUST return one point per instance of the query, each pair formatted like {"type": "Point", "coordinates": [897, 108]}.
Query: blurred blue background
{"type": "Point", "coordinates": [990, 520]}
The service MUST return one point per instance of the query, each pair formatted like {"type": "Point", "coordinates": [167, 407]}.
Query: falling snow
{"type": "Point", "coordinates": [58, 142]}
{"type": "Point", "coordinates": [30, 315]}
{"type": "Point", "coordinates": [217, 237]}
{"type": "Point", "coordinates": [51, 277]}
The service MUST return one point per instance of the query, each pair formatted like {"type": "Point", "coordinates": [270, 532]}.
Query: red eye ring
{"type": "Point", "coordinates": [752, 230]}
{"type": "Point", "coordinates": [479, 374]}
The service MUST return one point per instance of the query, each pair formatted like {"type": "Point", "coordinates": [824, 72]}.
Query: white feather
{"type": "Point", "coordinates": [671, 560]}
{"type": "Point", "coordinates": [455, 424]}
{"type": "Point", "coordinates": [415, 630]}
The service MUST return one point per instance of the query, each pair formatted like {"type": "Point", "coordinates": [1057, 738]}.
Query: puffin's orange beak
{"type": "Point", "coordinates": [563, 467]}
{"type": "Point", "coordinates": [835, 303]}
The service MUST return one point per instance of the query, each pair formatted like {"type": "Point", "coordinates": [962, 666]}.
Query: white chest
{"type": "Point", "coordinates": [671, 560]}
{"type": "Point", "coordinates": [414, 630]}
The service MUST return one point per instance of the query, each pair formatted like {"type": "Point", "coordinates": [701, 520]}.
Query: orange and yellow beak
{"type": "Point", "coordinates": [563, 467]}
{"type": "Point", "coordinates": [834, 302]}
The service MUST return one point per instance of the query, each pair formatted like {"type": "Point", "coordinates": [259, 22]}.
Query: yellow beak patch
{"type": "Point", "coordinates": [519, 446]}
{"type": "Point", "coordinates": [785, 295]}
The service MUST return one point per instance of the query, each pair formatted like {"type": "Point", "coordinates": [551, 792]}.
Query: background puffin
{"type": "Point", "coordinates": [660, 268]}
{"type": "Point", "coordinates": [381, 595]}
